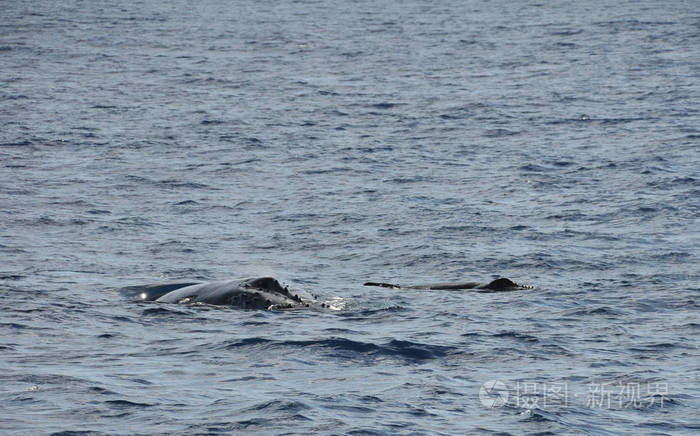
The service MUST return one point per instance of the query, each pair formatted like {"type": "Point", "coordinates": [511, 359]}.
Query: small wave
{"type": "Point", "coordinates": [78, 433]}
{"type": "Point", "coordinates": [14, 325]}
{"type": "Point", "coordinates": [248, 378]}
{"type": "Point", "coordinates": [226, 165]}
{"type": "Point", "coordinates": [134, 221]}
{"type": "Point", "coordinates": [533, 168]}
{"type": "Point", "coordinates": [404, 180]}
{"type": "Point", "coordinates": [101, 391]}
{"type": "Point", "coordinates": [384, 105]}
{"type": "Point", "coordinates": [536, 416]}
{"type": "Point", "coordinates": [251, 140]}
{"type": "Point", "coordinates": [516, 335]}
{"type": "Point", "coordinates": [179, 184]}
{"type": "Point", "coordinates": [279, 406]}
{"type": "Point", "coordinates": [11, 277]}
{"type": "Point", "coordinates": [602, 310]}
{"type": "Point", "coordinates": [122, 404]}
{"type": "Point", "coordinates": [161, 311]}
{"type": "Point", "coordinates": [363, 314]}
{"type": "Point", "coordinates": [264, 423]}
{"type": "Point", "coordinates": [599, 121]}
{"type": "Point", "coordinates": [52, 379]}
{"type": "Point", "coordinates": [566, 32]}
{"type": "Point", "coordinates": [186, 203]}
{"type": "Point", "coordinates": [654, 348]}
{"type": "Point", "coordinates": [500, 133]}
{"type": "Point", "coordinates": [327, 171]}
{"type": "Point", "coordinates": [690, 326]}
{"type": "Point", "coordinates": [659, 401]}
{"type": "Point", "coordinates": [17, 97]}
{"type": "Point", "coordinates": [16, 144]}
{"type": "Point", "coordinates": [346, 348]}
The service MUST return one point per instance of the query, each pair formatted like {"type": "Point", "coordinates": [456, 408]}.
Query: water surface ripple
{"type": "Point", "coordinates": [329, 143]}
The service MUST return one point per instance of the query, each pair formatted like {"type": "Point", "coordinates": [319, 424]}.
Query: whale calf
{"type": "Point", "coordinates": [267, 293]}
{"type": "Point", "coordinates": [498, 285]}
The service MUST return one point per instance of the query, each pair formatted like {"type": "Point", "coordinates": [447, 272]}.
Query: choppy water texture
{"type": "Point", "coordinates": [328, 143]}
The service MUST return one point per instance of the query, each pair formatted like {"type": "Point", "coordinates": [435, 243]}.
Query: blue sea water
{"type": "Point", "coordinates": [328, 143]}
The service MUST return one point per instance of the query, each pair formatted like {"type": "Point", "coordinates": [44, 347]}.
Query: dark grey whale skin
{"type": "Point", "coordinates": [267, 293]}
{"type": "Point", "coordinates": [498, 285]}
{"type": "Point", "coordinates": [254, 293]}
{"type": "Point", "coordinates": [152, 292]}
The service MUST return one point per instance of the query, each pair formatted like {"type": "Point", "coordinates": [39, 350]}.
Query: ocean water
{"type": "Point", "coordinates": [328, 143]}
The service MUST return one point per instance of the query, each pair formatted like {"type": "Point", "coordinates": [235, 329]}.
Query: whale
{"type": "Point", "coordinates": [266, 293]}
{"type": "Point", "coordinates": [256, 293]}
{"type": "Point", "coordinates": [252, 293]}
{"type": "Point", "coordinates": [498, 285]}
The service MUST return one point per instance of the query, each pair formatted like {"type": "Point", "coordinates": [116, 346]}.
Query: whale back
{"type": "Point", "coordinates": [255, 293]}
{"type": "Point", "coordinates": [151, 292]}
{"type": "Point", "coordinates": [267, 283]}
{"type": "Point", "coordinates": [498, 285]}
